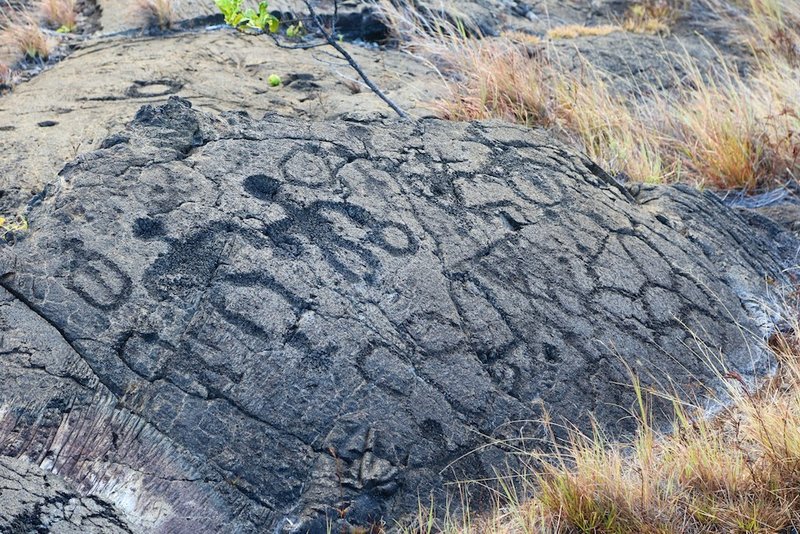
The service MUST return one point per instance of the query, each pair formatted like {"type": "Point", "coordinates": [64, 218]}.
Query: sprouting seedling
{"type": "Point", "coordinates": [257, 19]}
{"type": "Point", "coordinates": [295, 30]}
{"type": "Point", "coordinates": [262, 20]}
{"type": "Point", "coordinates": [231, 10]}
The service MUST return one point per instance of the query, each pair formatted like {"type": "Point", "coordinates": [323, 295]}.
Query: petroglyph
{"type": "Point", "coordinates": [263, 322]}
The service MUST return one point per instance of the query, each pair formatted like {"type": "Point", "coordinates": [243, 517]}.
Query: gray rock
{"type": "Point", "coordinates": [237, 325]}
{"type": "Point", "coordinates": [32, 501]}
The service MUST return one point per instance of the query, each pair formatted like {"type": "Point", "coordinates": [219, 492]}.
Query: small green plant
{"type": "Point", "coordinates": [263, 22]}
{"type": "Point", "coordinates": [256, 19]}
{"type": "Point", "coordinates": [59, 14]}
{"type": "Point", "coordinates": [274, 80]}
{"type": "Point", "coordinates": [231, 10]}
{"type": "Point", "coordinates": [295, 30]}
{"type": "Point", "coordinates": [261, 19]}
{"type": "Point", "coordinates": [17, 224]}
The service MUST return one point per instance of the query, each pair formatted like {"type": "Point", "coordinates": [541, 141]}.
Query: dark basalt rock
{"type": "Point", "coordinates": [32, 500]}
{"type": "Point", "coordinates": [237, 325]}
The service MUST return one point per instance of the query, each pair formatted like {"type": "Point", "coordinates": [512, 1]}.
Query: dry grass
{"type": "Point", "coordinates": [774, 28]}
{"type": "Point", "coordinates": [716, 129]}
{"type": "Point", "coordinates": [572, 31]}
{"type": "Point", "coordinates": [737, 472]}
{"type": "Point", "coordinates": [59, 15]}
{"type": "Point", "coordinates": [499, 80]}
{"type": "Point", "coordinates": [522, 38]}
{"type": "Point", "coordinates": [154, 13]}
{"type": "Point", "coordinates": [653, 16]}
{"type": "Point", "coordinates": [737, 133]}
{"type": "Point", "coordinates": [25, 36]}
{"type": "Point", "coordinates": [5, 74]}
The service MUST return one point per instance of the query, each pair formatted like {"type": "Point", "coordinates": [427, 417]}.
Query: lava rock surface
{"type": "Point", "coordinates": [227, 324]}
{"type": "Point", "coordinates": [33, 500]}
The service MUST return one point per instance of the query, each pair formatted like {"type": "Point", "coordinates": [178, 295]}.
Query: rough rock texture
{"type": "Point", "coordinates": [633, 63]}
{"type": "Point", "coordinates": [104, 80]}
{"type": "Point", "coordinates": [32, 500]}
{"type": "Point", "coordinates": [219, 71]}
{"type": "Point", "coordinates": [239, 325]}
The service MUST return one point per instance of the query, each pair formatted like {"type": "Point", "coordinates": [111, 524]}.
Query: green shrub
{"type": "Point", "coordinates": [255, 19]}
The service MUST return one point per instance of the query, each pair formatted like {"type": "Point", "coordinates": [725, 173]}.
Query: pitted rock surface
{"type": "Point", "coordinates": [32, 500]}
{"type": "Point", "coordinates": [238, 325]}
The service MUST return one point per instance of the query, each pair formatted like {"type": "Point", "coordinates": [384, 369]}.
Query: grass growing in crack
{"type": "Point", "coordinates": [718, 129]}
{"type": "Point", "coordinates": [735, 472]}
{"type": "Point", "coordinates": [154, 13]}
{"type": "Point", "coordinates": [60, 15]}
{"type": "Point", "coordinates": [571, 31]}
{"type": "Point", "coordinates": [25, 36]}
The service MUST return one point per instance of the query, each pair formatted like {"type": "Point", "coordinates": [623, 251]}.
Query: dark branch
{"type": "Point", "coordinates": [335, 17]}
{"type": "Point", "coordinates": [331, 40]}
{"type": "Point", "coordinates": [298, 46]}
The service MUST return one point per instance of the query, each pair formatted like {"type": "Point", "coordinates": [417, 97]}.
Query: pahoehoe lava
{"type": "Point", "coordinates": [218, 323]}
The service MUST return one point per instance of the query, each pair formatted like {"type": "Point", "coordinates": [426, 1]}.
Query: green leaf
{"type": "Point", "coordinates": [232, 11]}
{"type": "Point", "coordinates": [295, 30]}
{"type": "Point", "coordinates": [237, 19]}
{"type": "Point", "coordinates": [259, 19]}
{"type": "Point", "coordinates": [251, 15]}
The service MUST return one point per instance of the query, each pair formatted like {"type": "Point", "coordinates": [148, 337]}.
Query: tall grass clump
{"type": "Point", "coordinates": [730, 132]}
{"type": "Point", "coordinates": [154, 13]}
{"type": "Point", "coordinates": [734, 472]}
{"type": "Point", "coordinates": [715, 128]}
{"type": "Point", "coordinates": [24, 35]}
{"type": "Point", "coordinates": [773, 27]}
{"type": "Point", "coordinates": [747, 130]}
{"type": "Point", "coordinates": [60, 15]}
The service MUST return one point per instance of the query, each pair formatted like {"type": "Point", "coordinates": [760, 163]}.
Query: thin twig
{"type": "Point", "coordinates": [335, 17]}
{"type": "Point", "coordinates": [353, 63]}
{"type": "Point", "coordinates": [300, 46]}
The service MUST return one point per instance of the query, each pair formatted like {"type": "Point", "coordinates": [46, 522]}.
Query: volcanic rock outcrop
{"type": "Point", "coordinates": [33, 500]}
{"type": "Point", "coordinates": [238, 325]}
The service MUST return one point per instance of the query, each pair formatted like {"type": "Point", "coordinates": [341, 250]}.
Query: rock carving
{"type": "Point", "coordinates": [239, 325]}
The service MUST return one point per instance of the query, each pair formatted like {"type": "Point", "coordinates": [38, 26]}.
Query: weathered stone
{"type": "Point", "coordinates": [32, 500]}
{"type": "Point", "coordinates": [260, 325]}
